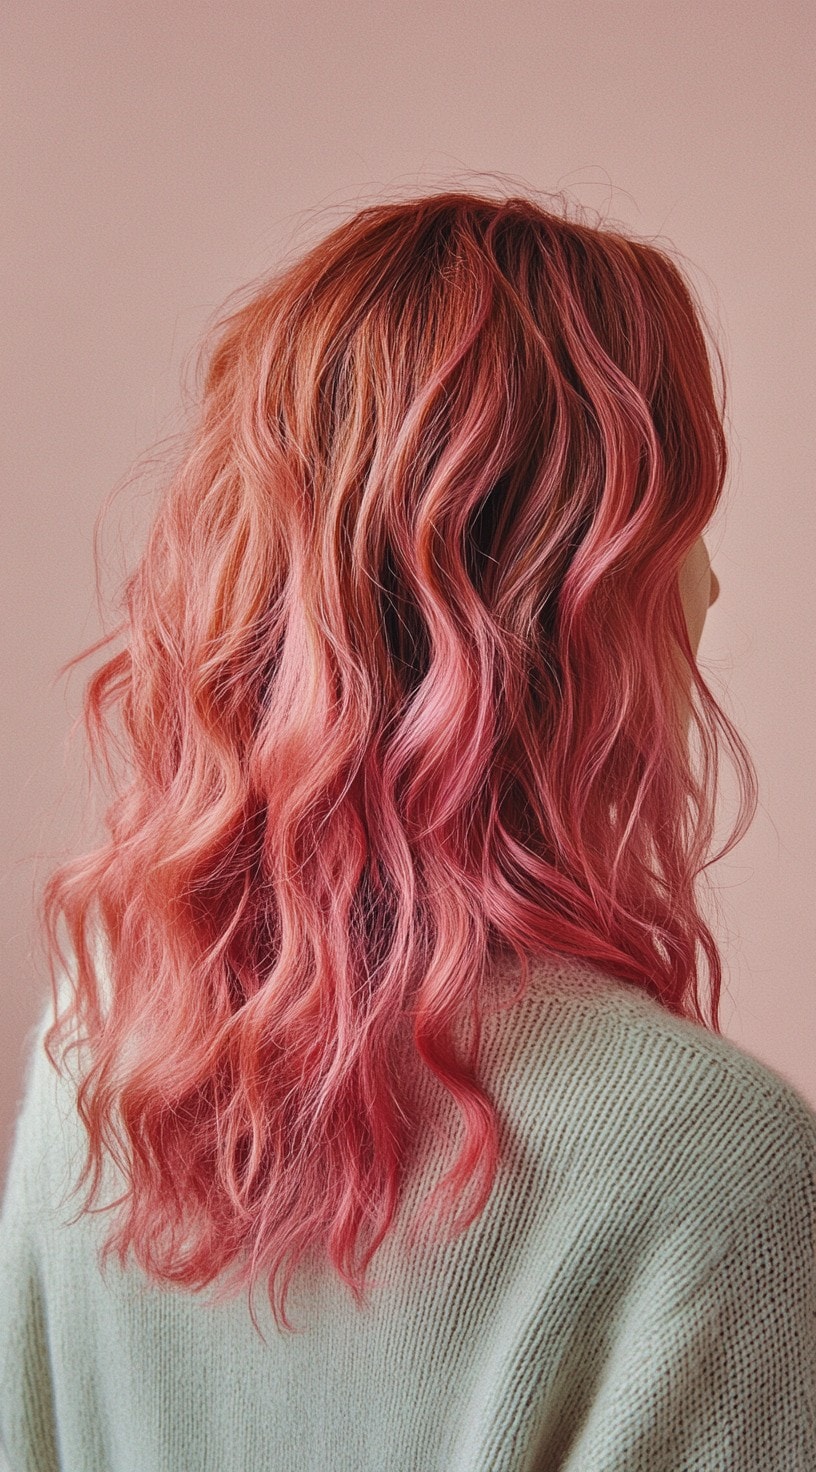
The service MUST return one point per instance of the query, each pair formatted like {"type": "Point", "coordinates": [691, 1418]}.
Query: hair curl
{"type": "Point", "coordinates": [399, 695]}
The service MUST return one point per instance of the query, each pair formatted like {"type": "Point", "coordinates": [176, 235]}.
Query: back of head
{"type": "Point", "coordinates": [401, 689]}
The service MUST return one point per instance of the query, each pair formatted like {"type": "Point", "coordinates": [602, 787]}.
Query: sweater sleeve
{"type": "Point", "coordinates": [714, 1366]}
{"type": "Point", "coordinates": [28, 1433]}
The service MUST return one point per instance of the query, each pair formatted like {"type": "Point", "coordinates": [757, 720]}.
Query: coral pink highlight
{"type": "Point", "coordinates": [398, 696]}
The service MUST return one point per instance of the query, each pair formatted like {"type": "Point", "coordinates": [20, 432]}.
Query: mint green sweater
{"type": "Point", "coordinates": [639, 1294]}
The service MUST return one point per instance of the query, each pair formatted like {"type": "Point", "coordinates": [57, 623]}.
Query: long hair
{"type": "Point", "coordinates": [398, 698]}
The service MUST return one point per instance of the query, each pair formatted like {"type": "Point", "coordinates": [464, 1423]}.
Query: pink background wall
{"type": "Point", "coordinates": [156, 156]}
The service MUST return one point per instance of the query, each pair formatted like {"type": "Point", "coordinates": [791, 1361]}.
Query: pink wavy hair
{"type": "Point", "coordinates": [399, 697]}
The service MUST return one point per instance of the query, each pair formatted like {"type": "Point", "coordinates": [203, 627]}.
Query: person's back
{"type": "Point", "coordinates": [408, 686]}
{"type": "Point", "coordinates": [638, 1294]}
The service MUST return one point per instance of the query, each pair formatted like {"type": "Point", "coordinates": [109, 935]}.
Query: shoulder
{"type": "Point", "coordinates": [48, 1137]}
{"type": "Point", "coordinates": [656, 1106]}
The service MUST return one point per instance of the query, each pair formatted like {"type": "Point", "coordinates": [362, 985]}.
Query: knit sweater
{"type": "Point", "coordinates": [638, 1295]}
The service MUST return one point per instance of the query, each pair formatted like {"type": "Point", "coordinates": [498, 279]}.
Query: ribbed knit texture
{"type": "Point", "coordinates": [639, 1295]}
